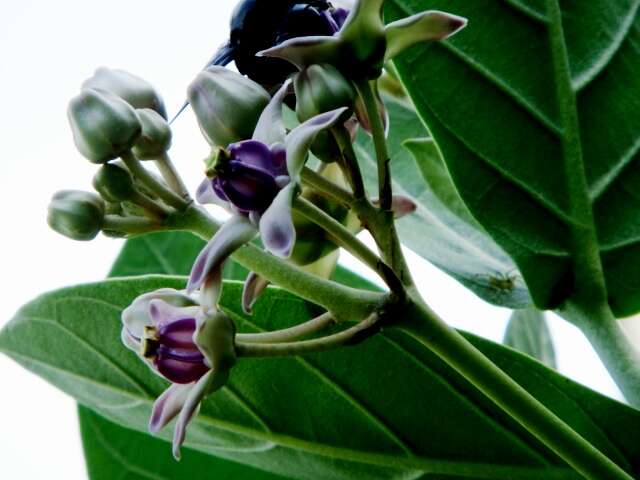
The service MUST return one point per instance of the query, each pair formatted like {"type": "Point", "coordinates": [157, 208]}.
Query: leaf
{"type": "Point", "coordinates": [387, 408]}
{"type": "Point", "coordinates": [439, 231]}
{"type": "Point", "coordinates": [527, 172]}
{"type": "Point", "coordinates": [529, 333]}
{"type": "Point", "coordinates": [114, 452]}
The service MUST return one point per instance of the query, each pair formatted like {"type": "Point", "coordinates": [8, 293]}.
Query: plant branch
{"type": "Point", "coordinates": [129, 225]}
{"type": "Point", "coordinates": [171, 176]}
{"type": "Point", "coordinates": [344, 238]}
{"type": "Point", "coordinates": [619, 355]}
{"type": "Point", "coordinates": [350, 336]}
{"type": "Point", "coordinates": [377, 130]}
{"type": "Point", "coordinates": [326, 187]}
{"type": "Point", "coordinates": [350, 160]}
{"type": "Point", "coordinates": [141, 173]}
{"type": "Point", "coordinates": [345, 303]}
{"type": "Point", "coordinates": [287, 334]}
{"type": "Point", "coordinates": [427, 328]}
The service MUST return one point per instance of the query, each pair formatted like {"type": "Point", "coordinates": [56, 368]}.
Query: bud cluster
{"type": "Point", "coordinates": [118, 115]}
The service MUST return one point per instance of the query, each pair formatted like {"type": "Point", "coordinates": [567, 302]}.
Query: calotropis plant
{"type": "Point", "coordinates": [262, 170]}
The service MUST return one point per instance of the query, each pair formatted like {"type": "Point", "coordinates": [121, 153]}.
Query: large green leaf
{"type": "Point", "coordinates": [441, 230]}
{"type": "Point", "coordinates": [387, 408]}
{"type": "Point", "coordinates": [518, 160]}
{"type": "Point", "coordinates": [529, 333]}
{"type": "Point", "coordinates": [114, 452]}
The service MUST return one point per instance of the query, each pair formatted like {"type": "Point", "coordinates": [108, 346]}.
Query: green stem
{"type": "Point", "coordinates": [152, 209]}
{"type": "Point", "coordinates": [428, 329]}
{"type": "Point", "coordinates": [350, 159]}
{"type": "Point", "coordinates": [619, 355]}
{"type": "Point", "coordinates": [326, 187]}
{"type": "Point", "coordinates": [141, 173]}
{"type": "Point", "coordinates": [129, 225]}
{"type": "Point", "coordinates": [377, 131]}
{"type": "Point", "coordinates": [343, 302]}
{"type": "Point", "coordinates": [341, 236]}
{"type": "Point", "coordinates": [171, 176]}
{"type": "Point", "coordinates": [287, 334]}
{"type": "Point", "coordinates": [349, 336]}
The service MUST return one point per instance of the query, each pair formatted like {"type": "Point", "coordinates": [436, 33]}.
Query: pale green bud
{"type": "Point", "coordinates": [320, 89]}
{"type": "Point", "coordinates": [156, 136]}
{"type": "Point", "coordinates": [134, 90]}
{"type": "Point", "coordinates": [104, 126]}
{"type": "Point", "coordinates": [76, 214]}
{"type": "Point", "coordinates": [114, 183]}
{"type": "Point", "coordinates": [227, 105]}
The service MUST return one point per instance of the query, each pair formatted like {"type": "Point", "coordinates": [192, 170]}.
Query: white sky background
{"type": "Point", "coordinates": [46, 50]}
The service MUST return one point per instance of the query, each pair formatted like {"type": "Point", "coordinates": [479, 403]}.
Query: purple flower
{"type": "Point", "coordinates": [257, 179]}
{"type": "Point", "coordinates": [248, 175]}
{"type": "Point", "coordinates": [191, 347]}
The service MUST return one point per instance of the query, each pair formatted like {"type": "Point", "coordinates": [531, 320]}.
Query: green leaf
{"type": "Point", "coordinates": [387, 408]}
{"type": "Point", "coordinates": [441, 230]}
{"type": "Point", "coordinates": [536, 141]}
{"type": "Point", "coordinates": [529, 333]}
{"type": "Point", "coordinates": [114, 452]}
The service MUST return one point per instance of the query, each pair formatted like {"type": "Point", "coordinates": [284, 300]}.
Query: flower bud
{"type": "Point", "coordinates": [226, 104]}
{"type": "Point", "coordinates": [113, 183]}
{"type": "Point", "coordinates": [104, 126]}
{"type": "Point", "coordinates": [76, 214]}
{"type": "Point", "coordinates": [320, 89]}
{"type": "Point", "coordinates": [132, 89]}
{"type": "Point", "coordinates": [156, 136]}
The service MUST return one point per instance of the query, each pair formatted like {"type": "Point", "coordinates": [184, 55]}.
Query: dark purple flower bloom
{"type": "Point", "coordinates": [248, 175]}
{"type": "Point", "coordinates": [189, 344]}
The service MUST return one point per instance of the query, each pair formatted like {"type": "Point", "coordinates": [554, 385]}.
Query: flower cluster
{"type": "Point", "coordinates": [255, 170]}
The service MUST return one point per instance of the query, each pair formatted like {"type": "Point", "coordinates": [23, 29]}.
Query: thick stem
{"type": "Point", "coordinates": [326, 187]}
{"type": "Point", "coordinates": [427, 328]}
{"type": "Point", "coordinates": [288, 334]}
{"type": "Point", "coordinates": [171, 176]}
{"type": "Point", "coordinates": [142, 174]}
{"type": "Point", "coordinates": [377, 131]}
{"type": "Point", "coordinates": [343, 302]}
{"type": "Point", "coordinates": [619, 355]}
{"type": "Point", "coordinates": [350, 336]}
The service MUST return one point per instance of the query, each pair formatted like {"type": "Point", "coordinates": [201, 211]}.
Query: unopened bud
{"type": "Point", "coordinates": [156, 136]}
{"type": "Point", "coordinates": [76, 214]}
{"type": "Point", "coordinates": [104, 126]}
{"type": "Point", "coordinates": [134, 90]}
{"type": "Point", "coordinates": [320, 89]}
{"type": "Point", "coordinates": [113, 183]}
{"type": "Point", "coordinates": [227, 105]}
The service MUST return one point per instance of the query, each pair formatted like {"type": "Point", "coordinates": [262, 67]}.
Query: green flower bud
{"type": "Point", "coordinates": [132, 89]}
{"type": "Point", "coordinates": [227, 105]}
{"type": "Point", "coordinates": [156, 136]}
{"type": "Point", "coordinates": [104, 126]}
{"type": "Point", "coordinates": [320, 89]}
{"type": "Point", "coordinates": [114, 183]}
{"type": "Point", "coordinates": [76, 214]}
